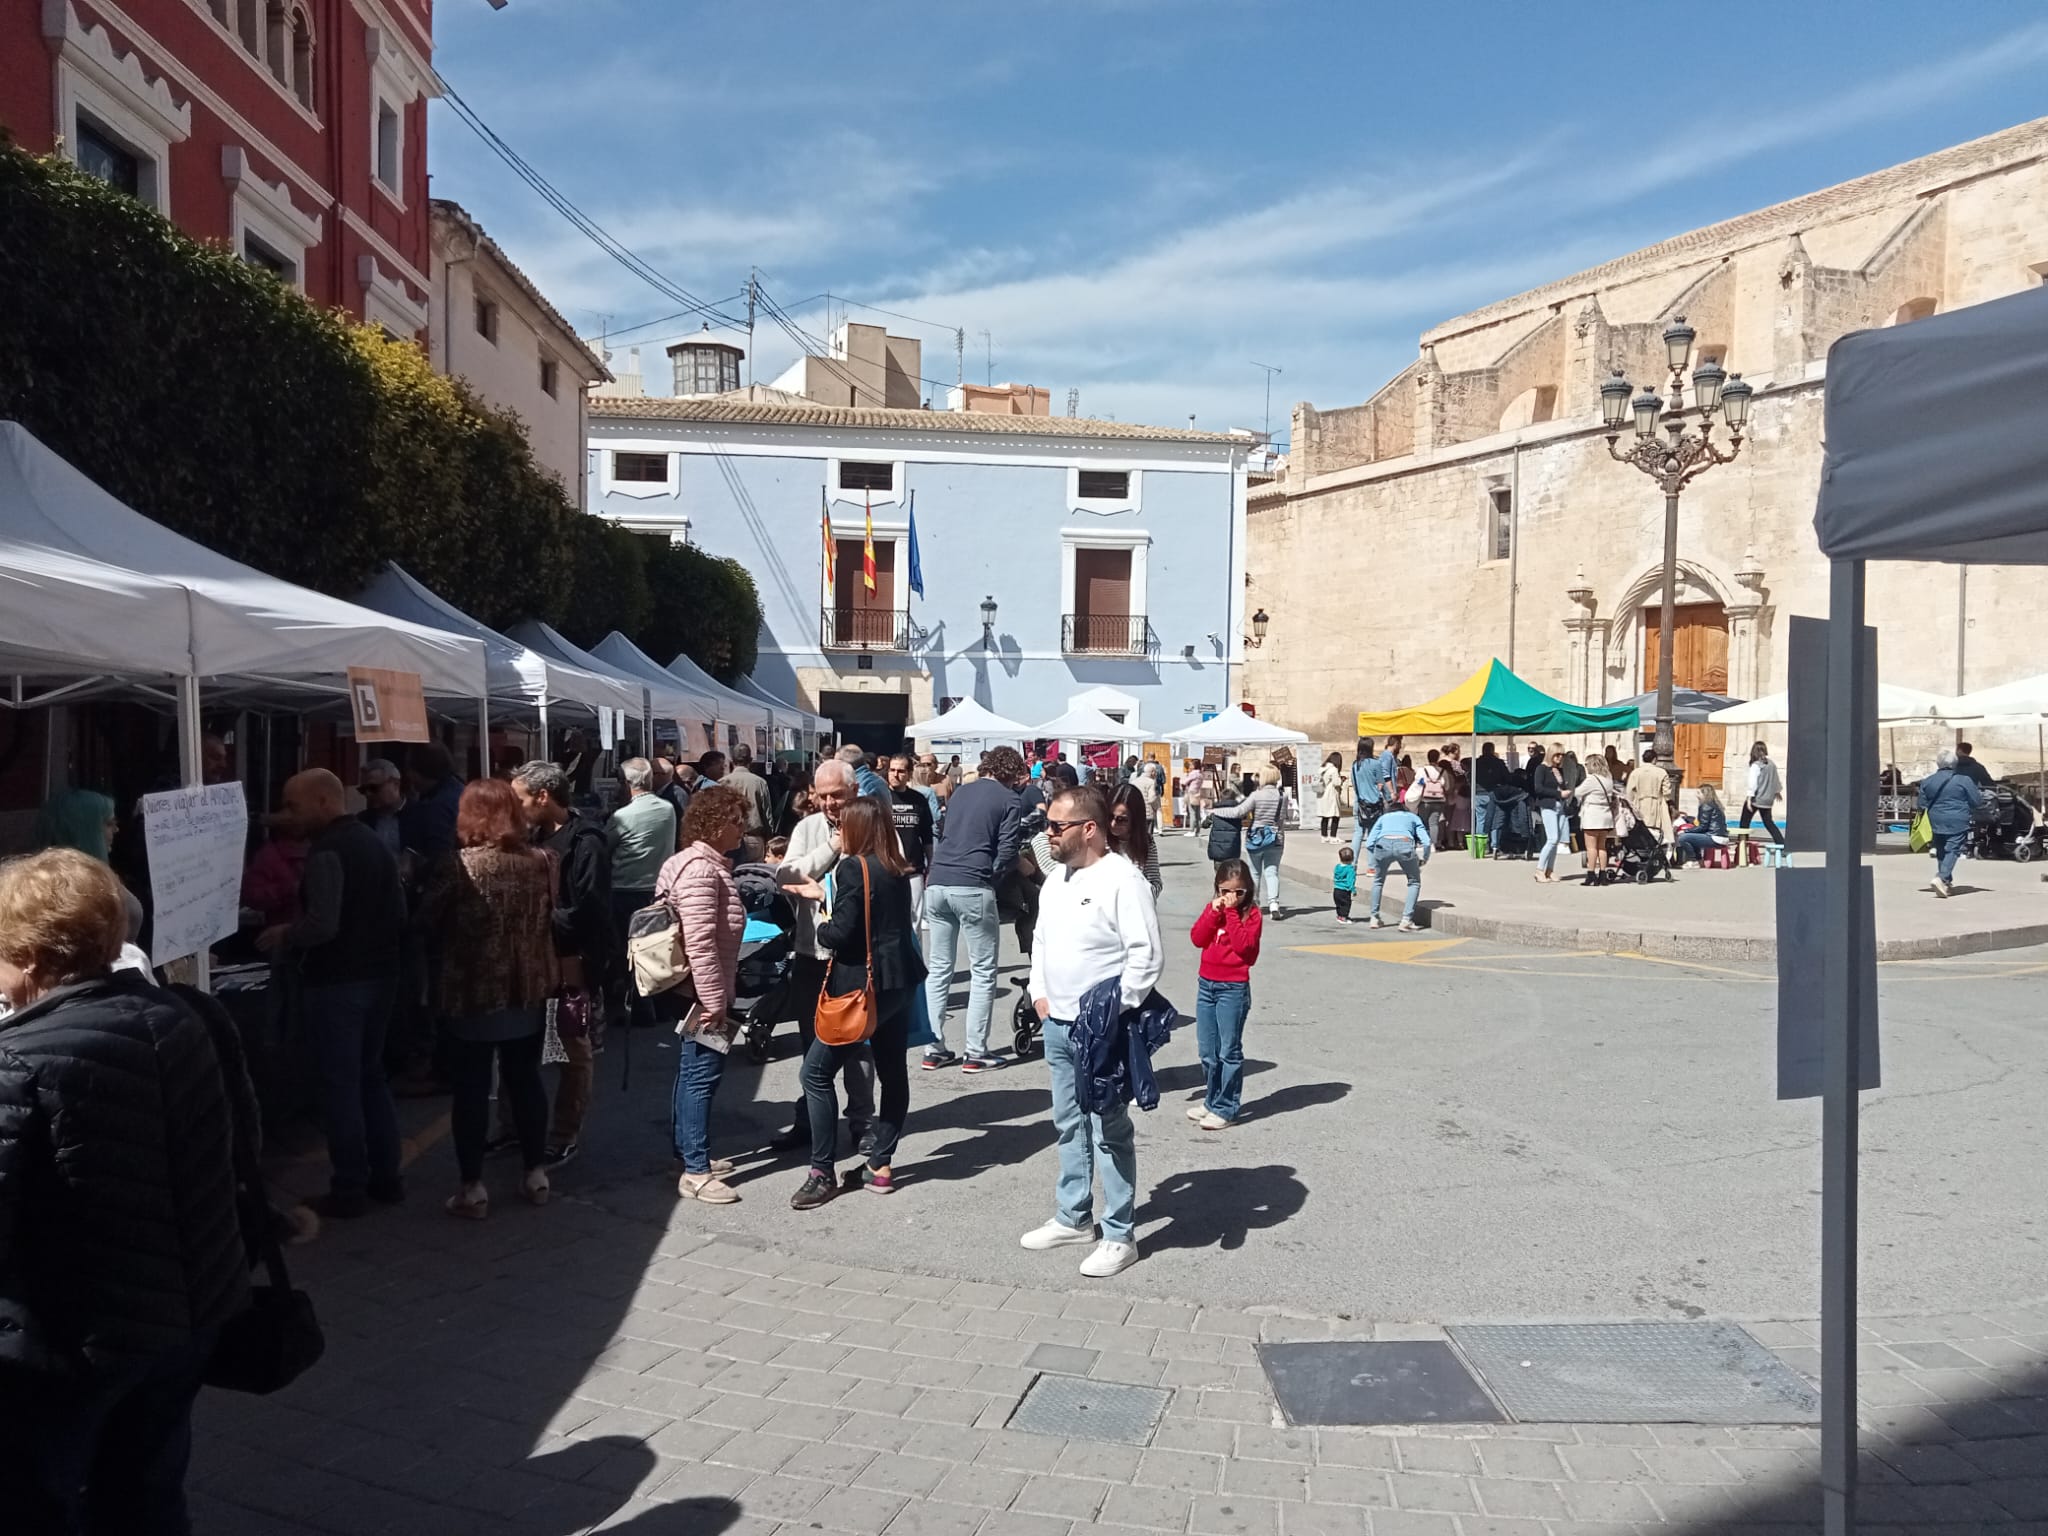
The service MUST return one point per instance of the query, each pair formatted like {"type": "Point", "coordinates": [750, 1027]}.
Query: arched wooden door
{"type": "Point", "coordinates": [1699, 659]}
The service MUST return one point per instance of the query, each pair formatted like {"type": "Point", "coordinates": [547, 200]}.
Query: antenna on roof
{"type": "Point", "coordinates": [1073, 402]}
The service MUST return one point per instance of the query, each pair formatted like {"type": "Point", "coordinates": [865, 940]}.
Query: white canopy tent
{"type": "Point", "coordinates": [735, 708]}
{"type": "Point", "coordinates": [786, 714]}
{"type": "Point", "coordinates": [668, 703]}
{"type": "Point", "coordinates": [967, 721]}
{"type": "Point", "coordinates": [1895, 706]}
{"type": "Point", "coordinates": [514, 673]}
{"type": "Point", "coordinates": [1081, 724]}
{"type": "Point", "coordinates": [1234, 728]}
{"type": "Point", "coordinates": [1934, 452]}
{"type": "Point", "coordinates": [615, 650]}
{"type": "Point", "coordinates": [172, 607]}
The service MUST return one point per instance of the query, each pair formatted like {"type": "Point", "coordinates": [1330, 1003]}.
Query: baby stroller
{"type": "Point", "coordinates": [761, 991]}
{"type": "Point", "coordinates": [2005, 827]}
{"type": "Point", "coordinates": [1017, 902]}
{"type": "Point", "coordinates": [1638, 855]}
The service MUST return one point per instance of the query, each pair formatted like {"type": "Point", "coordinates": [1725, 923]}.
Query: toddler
{"type": "Point", "coordinates": [778, 849]}
{"type": "Point", "coordinates": [1227, 934]}
{"type": "Point", "coordinates": [1344, 883]}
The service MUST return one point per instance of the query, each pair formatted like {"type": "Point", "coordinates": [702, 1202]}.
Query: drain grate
{"type": "Point", "coordinates": [1635, 1373]}
{"type": "Point", "coordinates": [1078, 1409]}
{"type": "Point", "coordinates": [1359, 1382]}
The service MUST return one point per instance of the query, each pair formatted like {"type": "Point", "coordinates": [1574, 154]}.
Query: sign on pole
{"type": "Point", "coordinates": [194, 838]}
{"type": "Point", "coordinates": [388, 706]}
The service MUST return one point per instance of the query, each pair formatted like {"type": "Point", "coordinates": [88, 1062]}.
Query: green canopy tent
{"type": "Point", "coordinates": [1493, 701]}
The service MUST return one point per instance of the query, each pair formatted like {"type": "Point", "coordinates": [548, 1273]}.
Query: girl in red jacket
{"type": "Point", "coordinates": [1227, 934]}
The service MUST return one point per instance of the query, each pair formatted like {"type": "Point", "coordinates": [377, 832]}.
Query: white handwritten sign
{"type": "Point", "coordinates": [195, 839]}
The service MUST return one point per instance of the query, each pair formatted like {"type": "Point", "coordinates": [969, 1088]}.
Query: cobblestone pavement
{"type": "Point", "coordinates": [580, 1368]}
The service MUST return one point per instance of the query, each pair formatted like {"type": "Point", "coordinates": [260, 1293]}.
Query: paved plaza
{"type": "Point", "coordinates": [1716, 915]}
{"type": "Point", "coordinates": [1439, 1131]}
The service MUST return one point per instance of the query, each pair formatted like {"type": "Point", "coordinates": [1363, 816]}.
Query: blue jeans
{"type": "Point", "coordinates": [1265, 863]}
{"type": "Point", "coordinates": [1483, 813]}
{"type": "Point", "coordinates": [1384, 859]}
{"type": "Point", "coordinates": [1081, 1137]}
{"type": "Point", "coordinates": [952, 912]}
{"type": "Point", "coordinates": [105, 1450]}
{"type": "Point", "coordinates": [1948, 847]}
{"type": "Point", "coordinates": [1361, 823]}
{"type": "Point", "coordinates": [1696, 844]}
{"type": "Point", "coordinates": [698, 1071]}
{"type": "Point", "coordinates": [1553, 837]}
{"type": "Point", "coordinates": [1220, 1010]}
{"type": "Point", "coordinates": [345, 1025]}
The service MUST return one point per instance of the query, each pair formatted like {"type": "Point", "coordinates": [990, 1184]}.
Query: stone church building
{"type": "Point", "coordinates": [1470, 508]}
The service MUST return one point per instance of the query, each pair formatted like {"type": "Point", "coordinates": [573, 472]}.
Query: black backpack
{"type": "Point", "coordinates": [1226, 837]}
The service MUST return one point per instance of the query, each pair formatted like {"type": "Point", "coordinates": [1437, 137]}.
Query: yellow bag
{"type": "Point", "coordinates": [1920, 836]}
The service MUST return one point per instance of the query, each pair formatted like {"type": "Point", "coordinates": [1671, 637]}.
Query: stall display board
{"type": "Point", "coordinates": [195, 839]}
{"type": "Point", "coordinates": [388, 705]}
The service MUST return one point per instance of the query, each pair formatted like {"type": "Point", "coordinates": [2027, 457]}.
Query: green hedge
{"type": "Point", "coordinates": [208, 396]}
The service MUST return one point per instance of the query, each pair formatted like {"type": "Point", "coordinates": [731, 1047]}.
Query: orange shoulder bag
{"type": "Point", "coordinates": [849, 1020]}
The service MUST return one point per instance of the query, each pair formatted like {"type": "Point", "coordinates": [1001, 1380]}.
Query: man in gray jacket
{"type": "Point", "coordinates": [977, 847]}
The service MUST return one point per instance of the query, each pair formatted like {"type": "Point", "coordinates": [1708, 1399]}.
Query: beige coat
{"type": "Point", "coordinates": [1647, 788]}
{"type": "Point", "coordinates": [1330, 791]}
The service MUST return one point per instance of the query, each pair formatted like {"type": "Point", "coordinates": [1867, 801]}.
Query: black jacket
{"type": "Point", "coordinates": [1488, 772]}
{"type": "Point", "coordinates": [119, 1236]}
{"type": "Point", "coordinates": [978, 841]}
{"type": "Point", "coordinates": [583, 894]}
{"type": "Point", "coordinates": [1545, 787]}
{"type": "Point", "coordinates": [845, 932]}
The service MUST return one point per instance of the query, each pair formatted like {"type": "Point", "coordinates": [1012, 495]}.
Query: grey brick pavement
{"type": "Point", "coordinates": [580, 1369]}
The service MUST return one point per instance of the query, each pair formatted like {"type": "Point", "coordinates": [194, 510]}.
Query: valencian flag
{"type": "Point", "coordinates": [825, 524]}
{"type": "Point", "coordinates": [916, 564]}
{"type": "Point", "coordinates": [867, 551]}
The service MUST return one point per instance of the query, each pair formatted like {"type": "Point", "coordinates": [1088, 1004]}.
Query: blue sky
{"type": "Point", "coordinates": [1140, 198]}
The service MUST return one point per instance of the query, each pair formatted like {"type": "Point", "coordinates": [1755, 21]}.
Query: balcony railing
{"type": "Point", "coordinates": [865, 629]}
{"type": "Point", "coordinates": [1104, 634]}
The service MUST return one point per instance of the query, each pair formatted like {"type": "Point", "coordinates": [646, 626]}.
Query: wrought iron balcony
{"type": "Point", "coordinates": [865, 629]}
{"type": "Point", "coordinates": [1104, 634]}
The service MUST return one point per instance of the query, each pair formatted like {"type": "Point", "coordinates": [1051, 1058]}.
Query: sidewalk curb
{"type": "Point", "coordinates": [1663, 944]}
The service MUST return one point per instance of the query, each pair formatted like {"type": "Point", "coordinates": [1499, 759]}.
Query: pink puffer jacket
{"type": "Point", "coordinates": [697, 886]}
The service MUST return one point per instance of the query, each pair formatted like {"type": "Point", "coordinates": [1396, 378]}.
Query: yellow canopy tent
{"type": "Point", "coordinates": [1495, 701]}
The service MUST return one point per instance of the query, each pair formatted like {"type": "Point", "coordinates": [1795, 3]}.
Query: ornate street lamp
{"type": "Point", "coordinates": [988, 616]}
{"type": "Point", "coordinates": [1685, 452]}
{"type": "Point", "coordinates": [1259, 623]}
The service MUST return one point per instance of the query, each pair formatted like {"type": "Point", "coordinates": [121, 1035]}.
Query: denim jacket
{"type": "Point", "coordinates": [1113, 1048]}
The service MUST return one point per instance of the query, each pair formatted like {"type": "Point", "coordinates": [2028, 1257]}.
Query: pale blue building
{"type": "Point", "coordinates": [1059, 557]}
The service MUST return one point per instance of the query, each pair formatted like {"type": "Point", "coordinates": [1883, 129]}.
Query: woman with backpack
{"type": "Point", "coordinates": [1432, 801]}
{"type": "Point", "coordinates": [1260, 813]}
{"type": "Point", "coordinates": [697, 887]}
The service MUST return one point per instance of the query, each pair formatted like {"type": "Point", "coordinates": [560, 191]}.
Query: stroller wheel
{"type": "Point", "coordinates": [1024, 1042]}
{"type": "Point", "coordinates": [2023, 850]}
{"type": "Point", "coordinates": [1645, 876]}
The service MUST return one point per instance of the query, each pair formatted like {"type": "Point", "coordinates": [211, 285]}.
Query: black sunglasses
{"type": "Point", "coordinates": [1058, 827]}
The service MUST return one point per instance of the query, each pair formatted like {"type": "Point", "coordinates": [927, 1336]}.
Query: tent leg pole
{"type": "Point", "coordinates": [192, 762]}
{"type": "Point", "coordinates": [483, 736]}
{"type": "Point", "coordinates": [1842, 987]}
{"type": "Point", "coordinates": [547, 745]}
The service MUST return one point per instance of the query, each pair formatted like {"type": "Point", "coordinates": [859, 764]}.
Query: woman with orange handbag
{"type": "Point", "coordinates": [875, 969]}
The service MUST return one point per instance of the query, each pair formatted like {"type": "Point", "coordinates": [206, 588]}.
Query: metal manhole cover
{"type": "Point", "coordinates": [1078, 1409]}
{"type": "Point", "coordinates": [1635, 1373]}
{"type": "Point", "coordinates": [1357, 1382]}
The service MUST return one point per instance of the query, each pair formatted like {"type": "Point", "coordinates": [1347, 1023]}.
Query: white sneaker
{"type": "Point", "coordinates": [1109, 1259]}
{"type": "Point", "coordinates": [1210, 1122]}
{"type": "Point", "coordinates": [1055, 1234]}
{"type": "Point", "coordinates": [1941, 886]}
{"type": "Point", "coordinates": [1196, 1111]}
{"type": "Point", "coordinates": [1410, 927]}
{"type": "Point", "coordinates": [1376, 921]}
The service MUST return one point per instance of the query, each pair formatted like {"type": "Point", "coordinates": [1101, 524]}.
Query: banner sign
{"type": "Point", "coordinates": [388, 706]}
{"type": "Point", "coordinates": [194, 838]}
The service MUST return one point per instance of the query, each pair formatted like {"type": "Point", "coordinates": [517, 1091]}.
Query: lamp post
{"type": "Point", "coordinates": [1259, 623]}
{"type": "Point", "coordinates": [1675, 462]}
{"type": "Point", "coordinates": [988, 618]}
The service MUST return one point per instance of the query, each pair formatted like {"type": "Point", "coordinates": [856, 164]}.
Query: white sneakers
{"type": "Point", "coordinates": [1107, 1259]}
{"type": "Point", "coordinates": [1056, 1234]}
{"type": "Point", "coordinates": [1940, 886]}
{"type": "Point", "coordinates": [1197, 1111]}
{"type": "Point", "coordinates": [1210, 1122]}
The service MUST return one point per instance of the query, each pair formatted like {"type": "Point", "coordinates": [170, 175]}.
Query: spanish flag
{"type": "Point", "coordinates": [867, 550]}
{"type": "Point", "coordinates": [825, 524]}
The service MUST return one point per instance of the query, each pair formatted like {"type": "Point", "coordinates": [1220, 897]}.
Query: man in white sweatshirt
{"type": "Point", "coordinates": [1096, 923]}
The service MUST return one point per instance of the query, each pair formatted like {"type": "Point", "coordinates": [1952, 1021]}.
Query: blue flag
{"type": "Point", "coordinates": [916, 564]}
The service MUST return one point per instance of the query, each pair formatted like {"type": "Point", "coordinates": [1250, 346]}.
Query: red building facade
{"type": "Point", "coordinates": [293, 132]}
